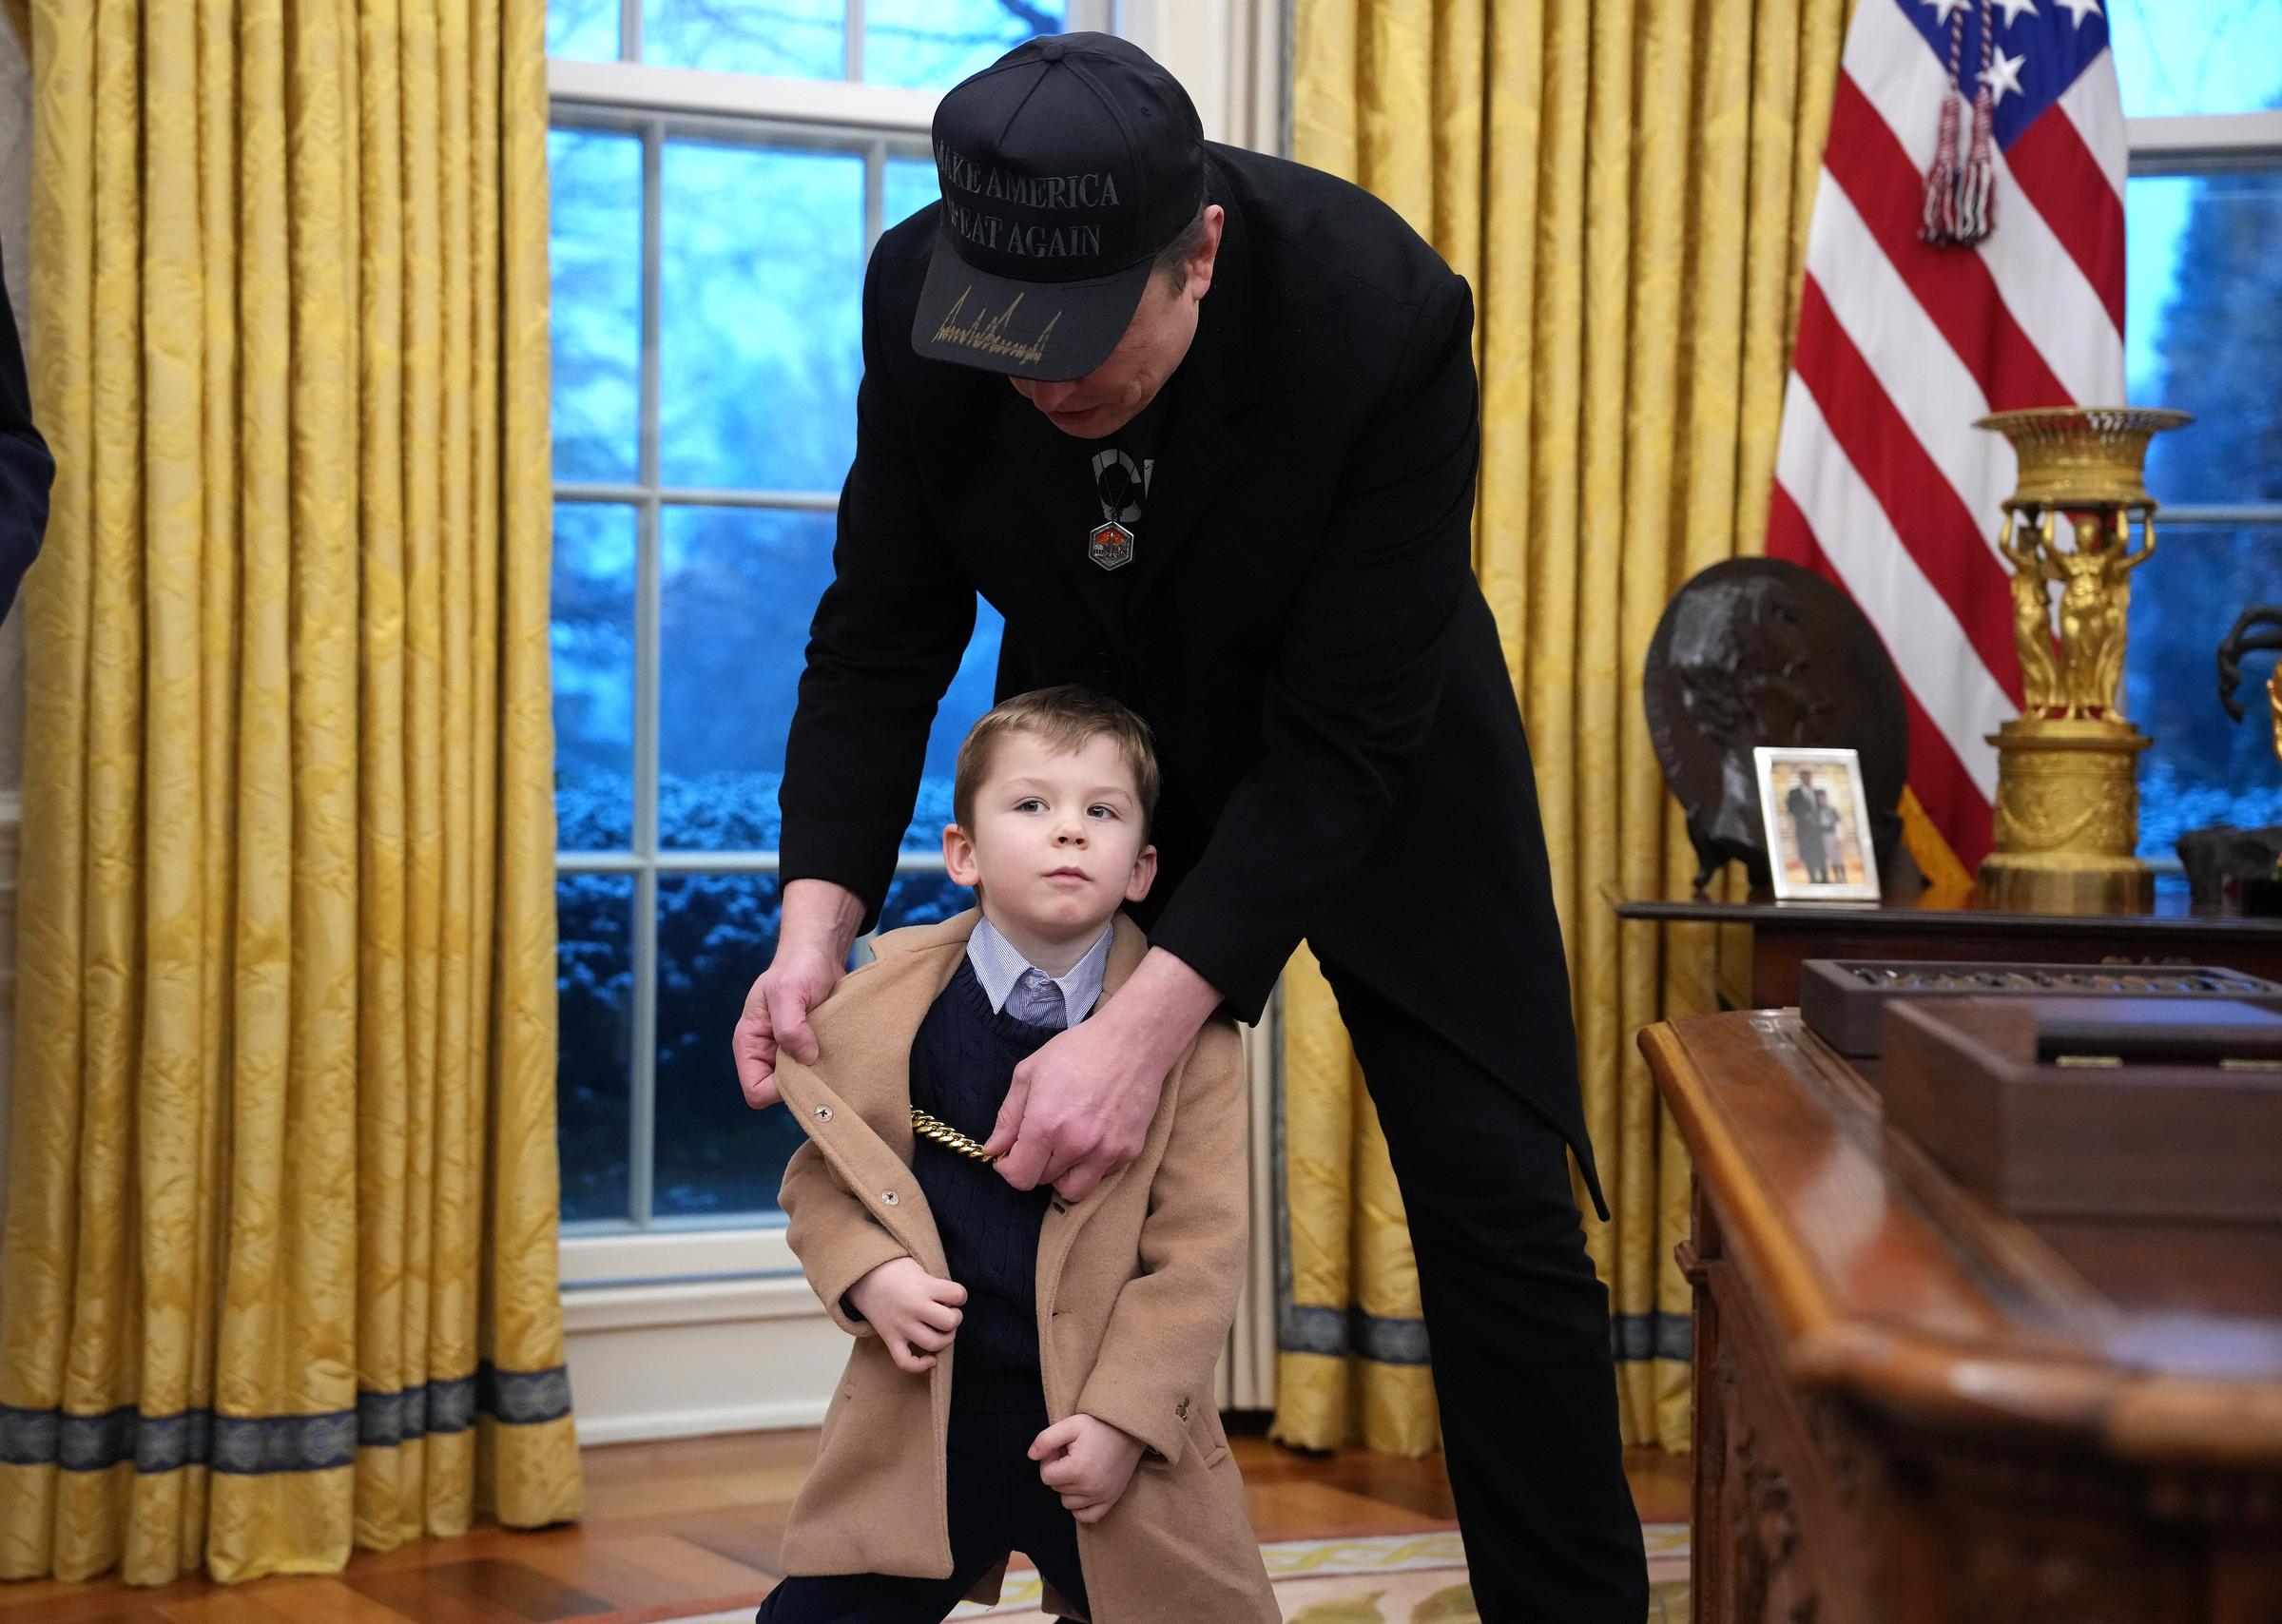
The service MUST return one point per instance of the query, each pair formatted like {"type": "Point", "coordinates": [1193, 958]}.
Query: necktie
{"type": "Point", "coordinates": [1036, 1000]}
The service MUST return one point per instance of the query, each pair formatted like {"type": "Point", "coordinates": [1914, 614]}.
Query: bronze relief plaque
{"type": "Point", "coordinates": [1757, 651]}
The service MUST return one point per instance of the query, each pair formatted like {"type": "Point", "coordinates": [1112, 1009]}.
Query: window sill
{"type": "Point", "coordinates": [676, 1257]}
{"type": "Point", "coordinates": [681, 1334]}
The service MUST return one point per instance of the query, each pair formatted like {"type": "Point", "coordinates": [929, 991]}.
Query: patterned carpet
{"type": "Point", "coordinates": [1387, 1579]}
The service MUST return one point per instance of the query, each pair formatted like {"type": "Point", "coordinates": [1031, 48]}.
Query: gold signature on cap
{"type": "Point", "coordinates": [988, 333]}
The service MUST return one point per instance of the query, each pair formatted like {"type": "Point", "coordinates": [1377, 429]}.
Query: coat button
{"type": "Point", "coordinates": [824, 1113]}
{"type": "Point", "coordinates": [1061, 1205]}
{"type": "Point", "coordinates": [1180, 1409]}
{"type": "Point", "coordinates": [888, 1196]}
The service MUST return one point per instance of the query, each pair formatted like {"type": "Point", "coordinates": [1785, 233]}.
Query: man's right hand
{"type": "Point", "coordinates": [814, 933]}
{"type": "Point", "coordinates": [915, 1313]}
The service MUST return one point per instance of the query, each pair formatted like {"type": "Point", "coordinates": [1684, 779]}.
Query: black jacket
{"type": "Point", "coordinates": [1342, 751]}
{"type": "Point", "coordinates": [25, 469]}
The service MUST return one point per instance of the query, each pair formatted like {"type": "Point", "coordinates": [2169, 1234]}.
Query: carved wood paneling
{"type": "Point", "coordinates": [2013, 1575]}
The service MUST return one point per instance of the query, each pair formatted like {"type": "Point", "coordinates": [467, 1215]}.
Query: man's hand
{"type": "Point", "coordinates": [1088, 1463]}
{"type": "Point", "coordinates": [1079, 1108]}
{"type": "Point", "coordinates": [915, 1313]}
{"type": "Point", "coordinates": [814, 933]}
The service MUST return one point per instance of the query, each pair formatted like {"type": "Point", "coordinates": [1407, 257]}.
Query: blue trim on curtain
{"type": "Point", "coordinates": [256, 1444]}
{"type": "Point", "coordinates": [1283, 1195]}
{"type": "Point", "coordinates": [1654, 1335]}
{"type": "Point", "coordinates": [1338, 1331]}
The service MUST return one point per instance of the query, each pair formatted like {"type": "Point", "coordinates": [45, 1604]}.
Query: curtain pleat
{"type": "Point", "coordinates": [1351, 1357]}
{"type": "Point", "coordinates": [1626, 186]}
{"type": "Point", "coordinates": [280, 1255]}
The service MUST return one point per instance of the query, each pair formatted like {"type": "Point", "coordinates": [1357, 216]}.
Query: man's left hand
{"type": "Point", "coordinates": [1079, 1108]}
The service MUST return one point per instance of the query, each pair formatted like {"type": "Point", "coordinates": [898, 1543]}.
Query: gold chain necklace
{"type": "Point", "coordinates": [947, 1137]}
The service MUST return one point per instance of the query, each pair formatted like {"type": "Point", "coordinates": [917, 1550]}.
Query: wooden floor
{"type": "Point", "coordinates": [682, 1525]}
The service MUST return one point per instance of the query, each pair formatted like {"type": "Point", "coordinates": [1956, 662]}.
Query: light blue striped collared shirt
{"type": "Point", "coordinates": [1036, 997]}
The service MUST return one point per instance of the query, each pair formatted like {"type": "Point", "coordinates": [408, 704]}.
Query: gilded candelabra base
{"type": "Point", "coordinates": [2068, 819]}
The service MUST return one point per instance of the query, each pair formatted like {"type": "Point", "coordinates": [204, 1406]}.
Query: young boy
{"type": "Point", "coordinates": [1029, 1374]}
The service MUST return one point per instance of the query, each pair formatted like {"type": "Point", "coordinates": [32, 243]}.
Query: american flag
{"type": "Point", "coordinates": [1882, 482]}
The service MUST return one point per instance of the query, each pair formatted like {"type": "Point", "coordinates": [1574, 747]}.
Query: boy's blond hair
{"type": "Point", "coordinates": [1065, 719]}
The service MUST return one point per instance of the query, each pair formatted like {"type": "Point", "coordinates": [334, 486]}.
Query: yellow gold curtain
{"type": "Point", "coordinates": [1626, 184]}
{"type": "Point", "coordinates": [280, 1263]}
{"type": "Point", "coordinates": [1351, 1335]}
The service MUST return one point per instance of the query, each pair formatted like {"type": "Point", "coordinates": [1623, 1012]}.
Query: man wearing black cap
{"type": "Point", "coordinates": [1231, 484]}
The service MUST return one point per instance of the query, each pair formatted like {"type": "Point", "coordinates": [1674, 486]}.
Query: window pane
{"type": "Point", "coordinates": [585, 30]}
{"type": "Point", "coordinates": [925, 897]}
{"type": "Point", "coordinates": [596, 261]}
{"type": "Point", "coordinates": [2203, 768]}
{"type": "Point", "coordinates": [759, 356]}
{"type": "Point", "coordinates": [932, 45]}
{"type": "Point", "coordinates": [968, 697]}
{"type": "Point", "coordinates": [792, 39]}
{"type": "Point", "coordinates": [595, 981]}
{"type": "Point", "coordinates": [910, 186]}
{"type": "Point", "coordinates": [594, 655]}
{"type": "Point", "coordinates": [716, 932]}
{"type": "Point", "coordinates": [2203, 260]}
{"type": "Point", "coordinates": [737, 590]}
{"type": "Point", "coordinates": [2196, 56]}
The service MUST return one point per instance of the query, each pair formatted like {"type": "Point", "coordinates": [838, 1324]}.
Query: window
{"type": "Point", "coordinates": [2202, 86]}
{"type": "Point", "coordinates": [721, 169]}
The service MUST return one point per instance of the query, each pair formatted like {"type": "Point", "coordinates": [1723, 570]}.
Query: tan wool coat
{"type": "Point", "coordinates": [1137, 1287]}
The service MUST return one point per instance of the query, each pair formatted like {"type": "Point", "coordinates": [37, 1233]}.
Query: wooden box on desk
{"type": "Point", "coordinates": [1844, 1000]}
{"type": "Point", "coordinates": [2127, 1108]}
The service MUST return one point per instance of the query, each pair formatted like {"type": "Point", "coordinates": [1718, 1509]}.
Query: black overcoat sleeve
{"type": "Point", "coordinates": [1357, 678]}
{"type": "Point", "coordinates": [884, 644]}
{"type": "Point", "coordinates": [25, 469]}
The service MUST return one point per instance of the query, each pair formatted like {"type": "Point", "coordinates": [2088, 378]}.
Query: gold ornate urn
{"type": "Point", "coordinates": [2067, 766]}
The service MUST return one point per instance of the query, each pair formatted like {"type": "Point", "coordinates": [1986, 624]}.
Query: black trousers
{"type": "Point", "coordinates": [1518, 1326]}
{"type": "Point", "coordinates": [997, 1504]}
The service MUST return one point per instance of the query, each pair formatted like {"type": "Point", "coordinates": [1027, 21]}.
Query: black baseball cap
{"type": "Point", "coordinates": [1066, 167]}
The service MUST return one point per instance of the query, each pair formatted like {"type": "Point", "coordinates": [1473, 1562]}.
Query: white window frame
{"type": "Point", "coordinates": [651, 102]}
{"type": "Point", "coordinates": [2204, 143]}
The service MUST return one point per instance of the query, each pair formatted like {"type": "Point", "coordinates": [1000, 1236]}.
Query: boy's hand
{"type": "Point", "coordinates": [914, 1312]}
{"type": "Point", "coordinates": [1088, 1463]}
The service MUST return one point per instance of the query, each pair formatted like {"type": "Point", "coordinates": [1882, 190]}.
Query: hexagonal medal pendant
{"type": "Point", "coordinates": [1109, 545]}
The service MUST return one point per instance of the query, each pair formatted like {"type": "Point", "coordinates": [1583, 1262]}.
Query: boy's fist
{"type": "Point", "coordinates": [1088, 1463]}
{"type": "Point", "coordinates": [914, 1312]}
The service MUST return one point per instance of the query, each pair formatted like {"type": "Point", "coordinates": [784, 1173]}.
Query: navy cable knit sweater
{"type": "Point", "coordinates": [962, 1062]}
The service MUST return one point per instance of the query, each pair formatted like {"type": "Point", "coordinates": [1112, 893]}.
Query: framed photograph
{"type": "Point", "coordinates": [1818, 825]}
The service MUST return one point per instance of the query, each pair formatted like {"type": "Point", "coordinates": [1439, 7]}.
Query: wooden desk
{"type": "Point", "coordinates": [1784, 936]}
{"type": "Point", "coordinates": [1910, 1406]}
